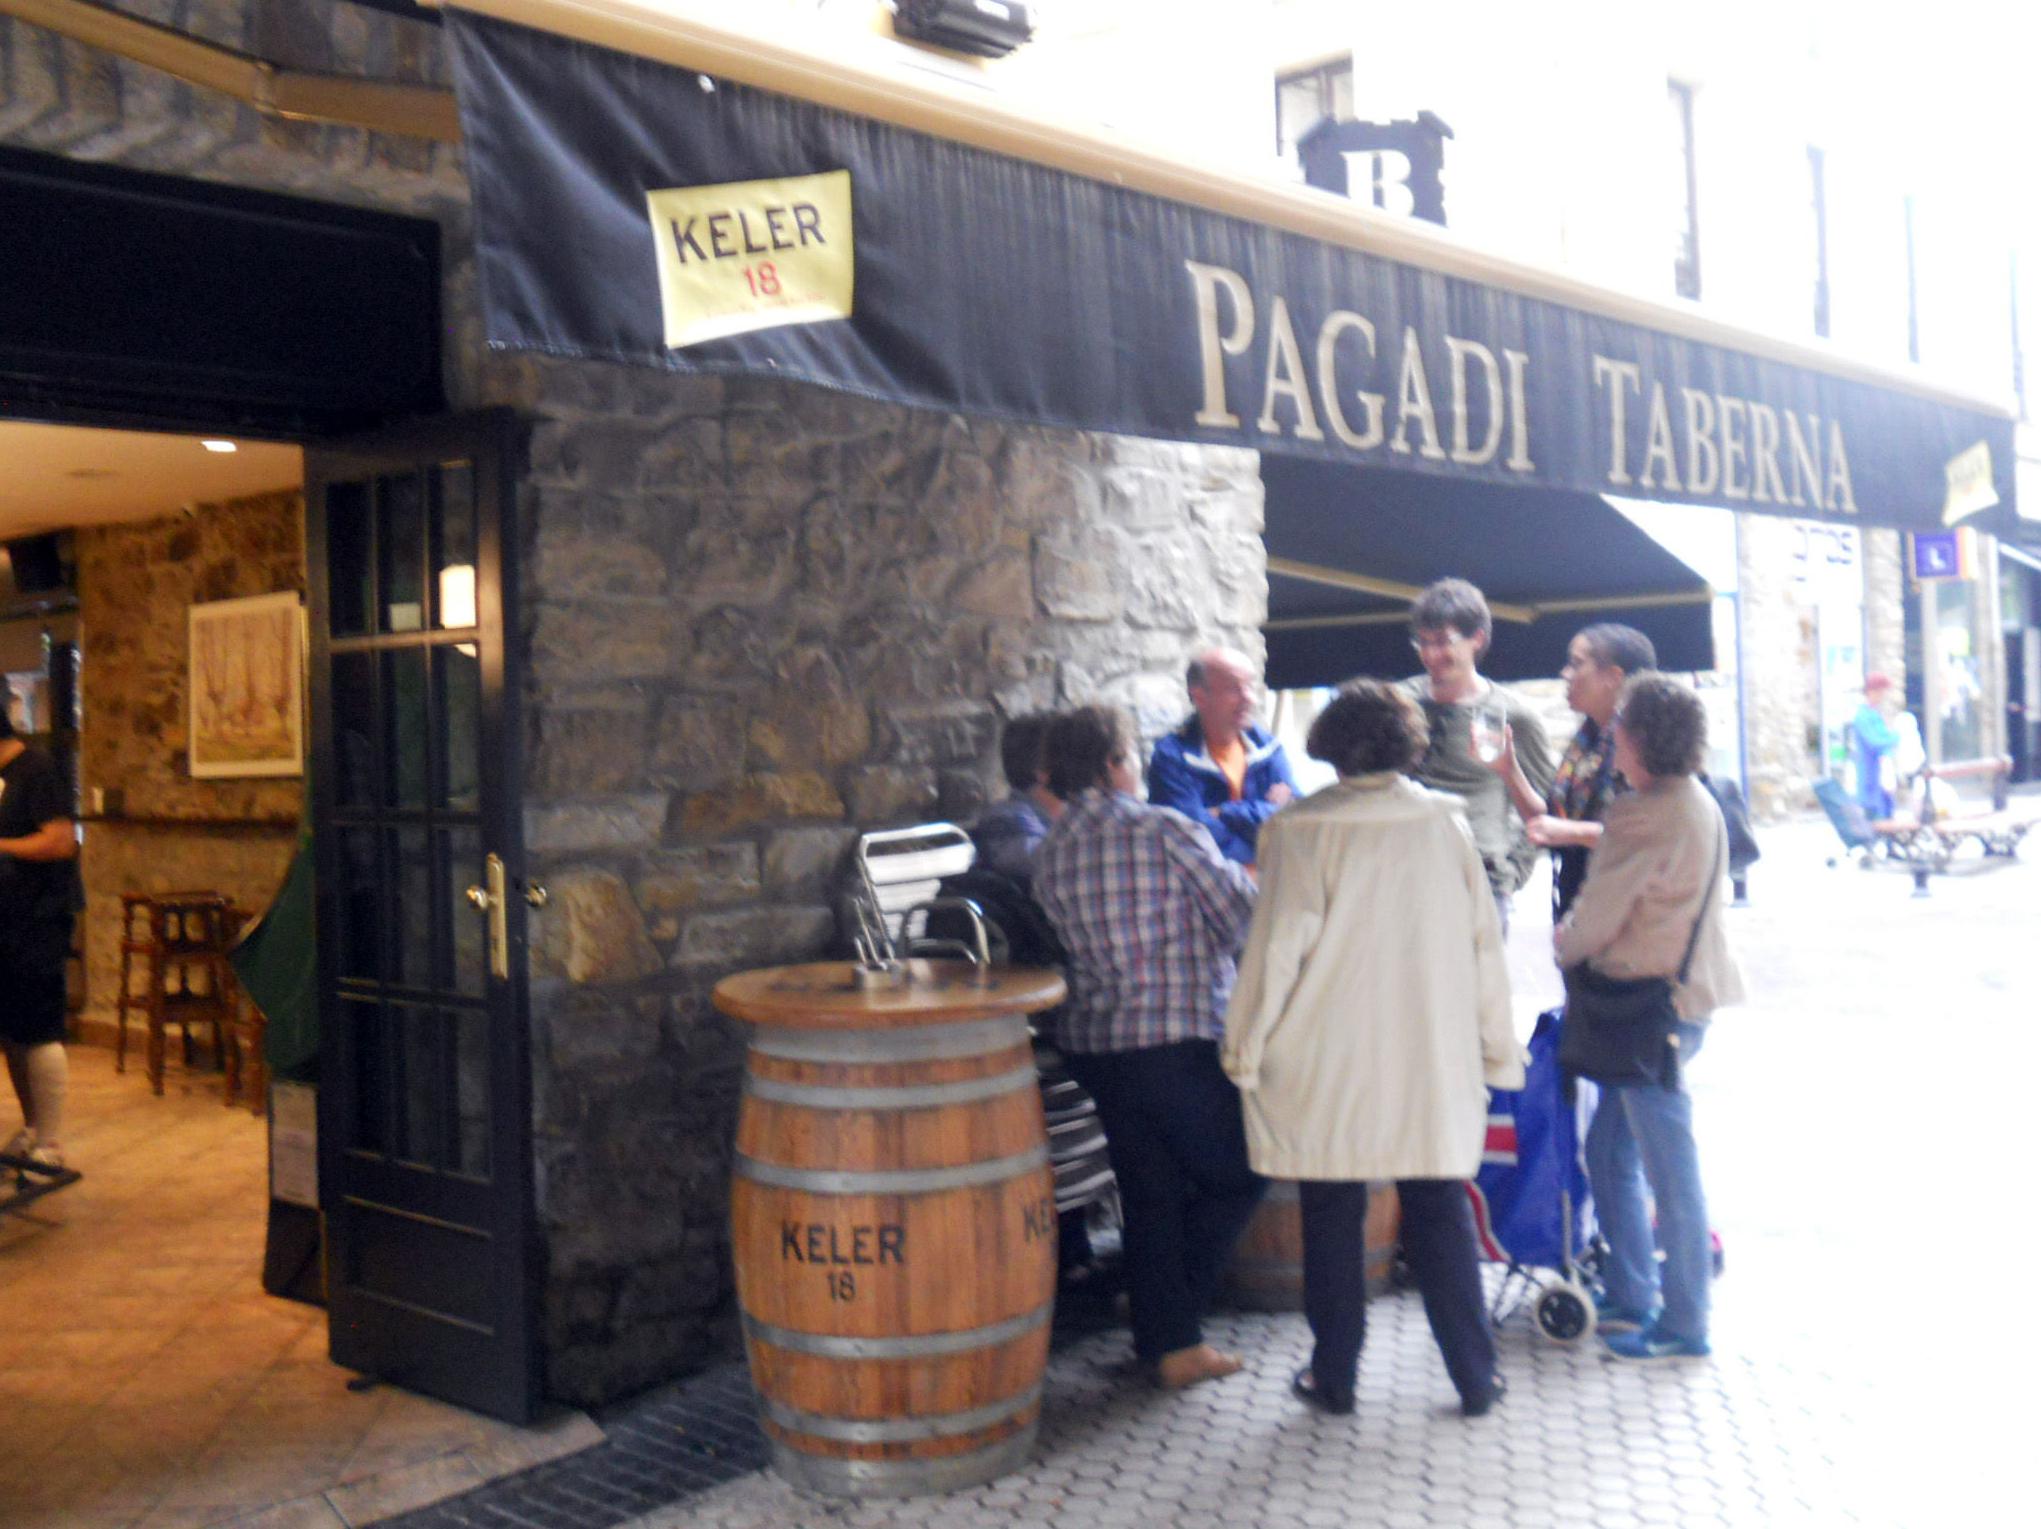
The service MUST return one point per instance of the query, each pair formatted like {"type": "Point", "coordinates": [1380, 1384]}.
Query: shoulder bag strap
{"type": "Point", "coordinates": [1694, 939]}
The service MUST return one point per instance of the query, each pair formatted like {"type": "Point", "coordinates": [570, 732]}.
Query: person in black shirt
{"type": "Point", "coordinates": [1567, 817]}
{"type": "Point", "coordinates": [38, 898]}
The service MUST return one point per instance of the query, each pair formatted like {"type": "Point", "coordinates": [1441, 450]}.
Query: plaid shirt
{"type": "Point", "coordinates": [1152, 915]}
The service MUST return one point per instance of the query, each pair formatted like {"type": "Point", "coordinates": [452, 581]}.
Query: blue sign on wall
{"type": "Point", "coordinates": [1941, 554]}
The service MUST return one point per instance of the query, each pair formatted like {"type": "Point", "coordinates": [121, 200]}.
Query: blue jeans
{"type": "Point", "coordinates": [1643, 1133]}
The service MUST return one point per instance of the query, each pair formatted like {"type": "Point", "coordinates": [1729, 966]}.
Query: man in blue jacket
{"type": "Point", "coordinates": [1219, 769]}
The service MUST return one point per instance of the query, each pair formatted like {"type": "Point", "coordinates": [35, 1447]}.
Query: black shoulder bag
{"type": "Point", "coordinates": [1620, 1029]}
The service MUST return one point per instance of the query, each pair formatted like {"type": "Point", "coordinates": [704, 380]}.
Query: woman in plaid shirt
{"type": "Point", "coordinates": [1153, 917]}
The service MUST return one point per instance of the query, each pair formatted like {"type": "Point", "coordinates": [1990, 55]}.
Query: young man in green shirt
{"type": "Point", "coordinates": [1450, 626]}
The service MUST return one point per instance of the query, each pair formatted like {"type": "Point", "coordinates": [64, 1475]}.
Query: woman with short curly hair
{"type": "Point", "coordinates": [1654, 885]}
{"type": "Point", "coordinates": [1371, 1015]}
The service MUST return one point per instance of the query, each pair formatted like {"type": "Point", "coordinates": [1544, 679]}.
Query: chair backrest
{"type": "Point", "coordinates": [899, 867]}
{"type": "Point", "coordinates": [182, 921]}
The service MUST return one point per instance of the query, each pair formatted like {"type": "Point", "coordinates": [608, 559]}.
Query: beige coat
{"type": "Point", "coordinates": [1373, 1006]}
{"type": "Point", "coordinates": [1645, 884]}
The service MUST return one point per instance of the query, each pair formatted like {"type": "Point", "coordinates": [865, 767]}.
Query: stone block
{"type": "Point", "coordinates": [1003, 584]}
{"type": "Point", "coordinates": [806, 859]}
{"type": "Point", "coordinates": [673, 882]}
{"type": "Point", "coordinates": [576, 564]}
{"type": "Point", "coordinates": [754, 937]}
{"type": "Point", "coordinates": [685, 457]}
{"type": "Point", "coordinates": [585, 751]}
{"type": "Point", "coordinates": [763, 456]}
{"type": "Point", "coordinates": [1139, 499]}
{"type": "Point", "coordinates": [698, 743]}
{"type": "Point", "coordinates": [1048, 480]}
{"type": "Point", "coordinates": [591, 931]}
{"type": "Point", "coordinates": [760, 798]}
{"type": "Point", "coordinates": [812, 715]}
{"type": "Point", "coordinates": [891, 793]}
{"type": "Point", "coordinates": [587, 1028]}
{"type": "Point", "coordinates": [947, 733]}
{"type": "Point", "coordinates": [962, 794]}
{"type": "Point", "coordinates": [1170, 589]}
{"type": "Point", "coordinates": [573, 828]}
{"type": "Point", "coordinates": [1075, 580]}
{"type": "Point", "coordinates": [734, 649]}
{"type": "Point", "coordinates": [724, 564]}
{"type": "Point", "coordinates": [577, 643]}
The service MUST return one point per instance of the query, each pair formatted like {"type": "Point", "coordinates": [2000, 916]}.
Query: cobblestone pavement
{"type": "Point", "coordinates": [1862, 1123]}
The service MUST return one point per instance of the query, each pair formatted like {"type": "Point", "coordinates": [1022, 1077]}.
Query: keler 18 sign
{"type": "Point", "coordinates": [752, 255]}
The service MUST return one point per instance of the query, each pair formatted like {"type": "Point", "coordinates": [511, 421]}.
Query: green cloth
{"type": "Point", "coordinates": [277, 962]}
{"type": "Point", "coordinates": [1449, 765]}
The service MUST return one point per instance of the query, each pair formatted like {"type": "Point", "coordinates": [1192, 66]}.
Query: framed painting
{"type": "Point", "coordinates": [247, 687]}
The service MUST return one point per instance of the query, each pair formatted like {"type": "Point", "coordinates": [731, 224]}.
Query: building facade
{"type": "Point", "coordinates": [716, 626]}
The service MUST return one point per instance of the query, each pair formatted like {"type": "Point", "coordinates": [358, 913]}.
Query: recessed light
{"type": "Point", "coordinates": [221, 446]}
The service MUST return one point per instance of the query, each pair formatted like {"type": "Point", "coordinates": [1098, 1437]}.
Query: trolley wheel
{"type": "Point", "coordinates": [1564, 1313]}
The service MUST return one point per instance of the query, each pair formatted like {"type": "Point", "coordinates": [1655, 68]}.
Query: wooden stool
{"type": "Point", "coordinates": [176, 942]}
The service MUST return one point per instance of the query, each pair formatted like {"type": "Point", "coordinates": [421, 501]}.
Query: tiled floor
{"type": "Point", "coordinates": [146, 1380]}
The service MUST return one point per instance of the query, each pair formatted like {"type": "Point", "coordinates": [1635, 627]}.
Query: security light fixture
{"type": "Point", "coordinates": [988, 28]}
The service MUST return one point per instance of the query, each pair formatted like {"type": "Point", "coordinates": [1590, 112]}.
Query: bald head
{"type": "Point", "coordinates": [1224, 687]}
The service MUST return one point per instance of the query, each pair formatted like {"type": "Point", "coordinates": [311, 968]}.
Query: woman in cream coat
{"type": "Point", "coordinates": [1371, 1016]}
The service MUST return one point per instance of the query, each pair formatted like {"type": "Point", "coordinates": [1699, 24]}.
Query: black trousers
{"type": "Point", "coordinates": [1438, 1244]}
{"type": "Point", "coordinates": [1179, 1149]}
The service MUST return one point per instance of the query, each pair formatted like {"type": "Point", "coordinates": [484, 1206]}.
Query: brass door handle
{"type": "Point", "coordinates": [492, 901]}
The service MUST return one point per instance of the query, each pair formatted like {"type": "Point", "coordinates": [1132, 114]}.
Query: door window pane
{"type": "Point", "coordinates": [354, 729]}
{"type": "Point", "coordinates": [460, 721]}
{"type": "Point", "coordinates": [470, 1032]}
{"type": "Point", "coordinates": [369, 1044]}
{"type": "Point", "coordinates": [454, 564]}
{"type": "Point", "coordinates": [402, 547]}
{"type": "Point", "coordinates": [422, 1033]}
{"type": "Point", "coordinates": [469, 926]}
{"type": "Point", "coordinates": [411, 886]}
{"type": "Point", "coordinates": [361, 905]}
{"type": "Point", "coordinates": [404, 695]}
{"type": "Point", "coordinates": [350, 564]}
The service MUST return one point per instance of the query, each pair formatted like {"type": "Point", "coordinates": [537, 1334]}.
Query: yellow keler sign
{"type": "Point", "coordinates": [752, 255]}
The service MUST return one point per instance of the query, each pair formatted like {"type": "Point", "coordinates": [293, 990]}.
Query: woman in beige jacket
{"type": "Point", "coordinates": [1653, 883]}
{"type": "Point", "coordinates": [1371, 1015]}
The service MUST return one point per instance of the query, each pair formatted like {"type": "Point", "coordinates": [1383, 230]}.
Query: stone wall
{"type": "Point", "coordinates": [164, 830]}
{"type": "Point", "coordinates": [1781, 701]}
{"type": "Point", "coordinates": [761, 618]}
{"type": "Point", "coordinates": [1885, 605]}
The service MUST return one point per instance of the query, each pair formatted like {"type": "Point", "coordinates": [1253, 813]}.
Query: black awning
{"type": "Point", "coordinates": [632, 211]}
{"type": "Point", "coordinates": [1347, 547]}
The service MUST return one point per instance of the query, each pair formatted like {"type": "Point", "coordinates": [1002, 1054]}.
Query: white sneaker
{"type": "Point", "coordinates": [47, 1157]}
{"type": "Point", "coordinates": [21, 1144]}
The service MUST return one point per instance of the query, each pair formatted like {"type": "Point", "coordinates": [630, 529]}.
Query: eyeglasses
{"type": "Point", "coordinates": [1438, 642]}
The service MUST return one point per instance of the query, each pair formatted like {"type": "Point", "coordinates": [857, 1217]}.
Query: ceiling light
{"type": "Point", "coordinates": [221, 446]}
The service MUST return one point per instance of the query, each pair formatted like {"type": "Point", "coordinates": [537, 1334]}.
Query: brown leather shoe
{"type": "Point", "coordinates": [1187, 1366]}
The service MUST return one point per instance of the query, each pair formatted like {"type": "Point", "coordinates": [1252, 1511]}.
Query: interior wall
{"type": "Point", "coordinates": [149, 826]}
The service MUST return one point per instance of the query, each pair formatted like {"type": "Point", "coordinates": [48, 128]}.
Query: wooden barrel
{"type": "Point", "coordinates": [893, 1223]}
{"type": "Point", "coordinates": [1267, 1272]}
